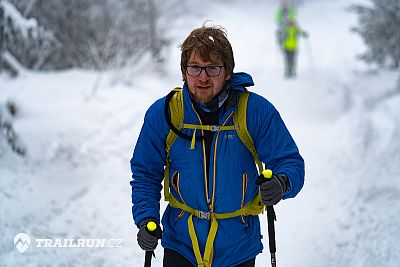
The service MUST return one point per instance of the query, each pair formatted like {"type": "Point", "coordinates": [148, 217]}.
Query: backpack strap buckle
{"type": "Point", "coordinates": [215, 128]}
{"type": "Point", "coordinates": [203, 214]}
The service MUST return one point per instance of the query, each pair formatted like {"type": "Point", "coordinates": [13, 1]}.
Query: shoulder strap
{"type": "Point", "coordinates": [174, 101]}
{"type": "Point", "coordinates": [177, 115]}
{"type": "Point", "coordinates": [240, 118]}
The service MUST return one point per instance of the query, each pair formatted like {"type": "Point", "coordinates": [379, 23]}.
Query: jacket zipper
{"type": "Point", "coordinates": [215, 164]}
{"type": "Point", "coordinates": [204, 161]}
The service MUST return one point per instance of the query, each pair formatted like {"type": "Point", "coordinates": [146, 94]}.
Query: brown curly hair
{"type": "Point", "coordinates": [211, 43]}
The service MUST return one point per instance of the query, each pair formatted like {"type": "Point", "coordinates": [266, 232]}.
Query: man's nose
{"type": "Point", "coordinates": [203, 77]}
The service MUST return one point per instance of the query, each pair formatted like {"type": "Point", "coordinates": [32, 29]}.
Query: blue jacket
{"type": "Point", "coordinates": [231, 181]}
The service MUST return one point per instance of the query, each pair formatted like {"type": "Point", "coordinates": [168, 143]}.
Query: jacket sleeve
{"type": "Point", "coordinates": [275, 146]}
{"type": "Point", "coordinates": [147, 165]}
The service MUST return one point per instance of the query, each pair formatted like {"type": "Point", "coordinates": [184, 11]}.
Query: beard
{"type": "Point", "coordinates": [203, 96]}
{"type": "Point", "coordinates": [201, 99]}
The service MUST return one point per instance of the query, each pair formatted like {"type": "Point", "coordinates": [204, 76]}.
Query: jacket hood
{"type": "Point", "coordinates": [240, 80]}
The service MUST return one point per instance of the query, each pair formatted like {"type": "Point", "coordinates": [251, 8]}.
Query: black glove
{"type": "Point", "coordinates": [272, 189]}
{"type": "Point", "coordinates": [148, 240]}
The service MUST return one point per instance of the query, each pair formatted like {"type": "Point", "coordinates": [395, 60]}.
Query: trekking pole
{"type": "Point", "coordinates": [311, 64]}
{"type": "Point", "coordinates": [271, 218]}
{"type": "Point", "coordinates": [152, 228]}
{"type": "Point", "coordinates": [277, 48]}
{"type": "Point", "coordinates": [271, 234]}
{"type": "Point", "coordinates": [147, 258]}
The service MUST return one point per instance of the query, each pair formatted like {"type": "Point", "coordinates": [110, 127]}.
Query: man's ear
{"type": "Point", "coordinates": [227, 77]}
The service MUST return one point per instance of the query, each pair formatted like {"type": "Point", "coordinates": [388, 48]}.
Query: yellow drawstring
{"type": "Point", "coordinates": [193, 139]}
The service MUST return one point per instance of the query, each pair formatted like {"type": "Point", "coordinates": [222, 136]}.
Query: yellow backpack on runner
{"type": "Point", "coordinates": [175, 104]}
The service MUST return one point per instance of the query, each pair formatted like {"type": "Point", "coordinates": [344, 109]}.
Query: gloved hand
{"type": "Point", "coordinates": [148, 240]}
{"type": "Point", "coordinates": [272, 189]}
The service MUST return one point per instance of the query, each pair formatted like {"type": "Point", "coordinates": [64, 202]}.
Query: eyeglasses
{"type": "Point", "coordinates": [211, 71]}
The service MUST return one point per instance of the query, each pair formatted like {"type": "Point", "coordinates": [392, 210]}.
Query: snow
{"type": "Point", "coordinates": [80, 128]}
{"type": "Point", "coordinates": [19, 21]}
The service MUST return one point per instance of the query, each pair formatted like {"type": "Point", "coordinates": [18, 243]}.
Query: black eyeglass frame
{"type": "Point", "coordinates": [206, 69]}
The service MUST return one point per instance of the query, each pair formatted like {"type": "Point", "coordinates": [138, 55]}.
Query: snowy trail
{"type": "Point", "coordinates": [324, 224]}
{"type": "Point", "coordinates": [75, 182]}
{"type": "Point", "coordinates": [309, 110]}
{"type": "Point", "coordinates": [85, 205]}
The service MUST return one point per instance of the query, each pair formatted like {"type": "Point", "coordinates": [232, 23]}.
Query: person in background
{"type": "Point", "coordinates": [291, 33]}
{"type": "Point", "coordinates": [209, 173]}
{"type": "Point", "coordinates": [283, 15]}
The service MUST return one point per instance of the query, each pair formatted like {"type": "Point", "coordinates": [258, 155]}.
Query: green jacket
{"type": "Point", "coordinates": [291, 34]}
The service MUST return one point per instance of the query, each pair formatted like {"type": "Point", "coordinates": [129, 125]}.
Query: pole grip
{"type": "Point", "coordinates": [265, 176]}
{"type": "Point", "coordinates": [154, 230]}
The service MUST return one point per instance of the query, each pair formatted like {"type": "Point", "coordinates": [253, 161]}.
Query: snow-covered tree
{"type": "Point", "coordinates": [103, 34]}
{"type": "Point", "coordinates": [379, 26]}
{"type": "Point", "coordinates": [8, 136]}
{"type": "Point", "coordinates": [23, 41]}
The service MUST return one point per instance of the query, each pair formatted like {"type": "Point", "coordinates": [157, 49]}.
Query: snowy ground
{"type": "Point", "coordinates": [74, 183]}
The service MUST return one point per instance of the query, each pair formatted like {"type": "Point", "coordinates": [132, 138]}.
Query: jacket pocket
{"type": "Point", "coordinates": [245, 180]}
{"type": "Point", "coordinates": [175, 185]}
{"type": "Point", "coordinates": [174, 181]}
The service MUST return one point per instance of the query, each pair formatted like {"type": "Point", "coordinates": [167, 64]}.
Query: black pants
{"type": "Point", "coordinates": [290, 63]}
{"type": "Point", "coordinates": [175, 259]}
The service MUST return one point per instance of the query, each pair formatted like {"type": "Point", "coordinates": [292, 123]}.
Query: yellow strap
{"type": "Point", "coordinates": [195, 242]}
{"type": "Point", "coordinates": [193, 140]}
{"type": "Point", "coordinates": [239, 117]}
{"type": "Point", "coordinates": [210, 241]}
{"type": "Point", "coordinates": [210, 127]}
{"type": "Point", "coordinates": [176, 109]}
{"type": "Point", "coordinates": [206, 260]}
{"type": "Point", "coordinates": [207, 128]}
{"type": "Point", "coordinates": [166, 180]}
{"type": "Point", "coordinates": [170, 140]}
{"type": "Point", "coordinates": [254, 207]}
{"type": "Point", "coordinates": [173, 202]}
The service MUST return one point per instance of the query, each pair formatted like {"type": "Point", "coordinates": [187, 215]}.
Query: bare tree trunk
{"type": "Point", "coordinates": [154, 40]}
{"type": "Point", "coordinates": [29, 8]}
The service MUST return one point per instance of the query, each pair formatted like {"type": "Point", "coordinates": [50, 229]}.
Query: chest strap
{"type": "Point", "coordinates": [213, 128]}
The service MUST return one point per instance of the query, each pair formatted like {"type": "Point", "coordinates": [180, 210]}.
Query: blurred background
{"type": "Point", "coordinates": [76, 78]}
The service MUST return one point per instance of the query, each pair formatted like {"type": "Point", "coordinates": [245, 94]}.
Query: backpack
{"type": "Point", "coordinates": [175, 104]}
